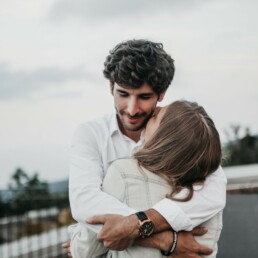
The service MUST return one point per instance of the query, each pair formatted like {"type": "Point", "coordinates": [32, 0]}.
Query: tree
{"type": "Point", "coordinates": [240, 151]}
{"type": "Point", "coordinates": [2, 206]}
{"type": "Point", "coordinates": [28, 192]}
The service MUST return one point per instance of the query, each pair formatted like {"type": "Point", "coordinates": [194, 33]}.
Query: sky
{"type": "Point", "coordinates": [51, 61]}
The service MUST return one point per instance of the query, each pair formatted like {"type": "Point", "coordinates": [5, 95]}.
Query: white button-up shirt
{"type": "Point", "coordinates": [95, 145]}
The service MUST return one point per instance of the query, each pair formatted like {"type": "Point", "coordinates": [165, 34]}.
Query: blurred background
{"type": "Point", "coordinates": [51, 61]}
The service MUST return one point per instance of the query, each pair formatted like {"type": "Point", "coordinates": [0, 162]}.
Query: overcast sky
{"type": "Point", "coordinates": [51, 62]}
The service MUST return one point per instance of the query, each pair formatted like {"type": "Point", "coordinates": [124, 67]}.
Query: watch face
{"type": "Point", "coordinates": [146, 229]}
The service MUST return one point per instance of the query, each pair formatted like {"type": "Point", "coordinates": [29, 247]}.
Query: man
{"type": "Point", "coordinates": [139, 73]}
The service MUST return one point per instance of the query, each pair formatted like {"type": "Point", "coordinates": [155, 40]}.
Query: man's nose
{"type": "Point", "coordinates": [133, 107]}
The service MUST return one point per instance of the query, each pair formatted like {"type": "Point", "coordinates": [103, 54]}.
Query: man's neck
{"type": "Point", "coordinates": [134, 135]}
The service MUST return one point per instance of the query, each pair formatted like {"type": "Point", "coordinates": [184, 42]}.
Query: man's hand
{"type": "Point", "coordinates": [160, 241]}
{"type": "Point", "coordinates": [188, 247]}
{"type": "Point", "coordinates": [118, 232]}
{"type": "Point", "coordinates": [66, 246]}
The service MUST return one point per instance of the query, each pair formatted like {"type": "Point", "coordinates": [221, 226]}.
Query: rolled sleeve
{"type": "Point", "coordinates": [207, 201]}
{"type": "Point", "coordinates": [177, 219]}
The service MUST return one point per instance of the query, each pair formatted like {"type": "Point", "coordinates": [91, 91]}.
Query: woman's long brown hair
{"type": "Point", "coordinates": [184, 150]}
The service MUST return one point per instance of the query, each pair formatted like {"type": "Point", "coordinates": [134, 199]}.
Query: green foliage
{"type": "Point", "coordinates": [241, 150]}
{"type": "Point", "coordinates": [2, 205]}
{"type": "Point", "coordinates": [28, 193]}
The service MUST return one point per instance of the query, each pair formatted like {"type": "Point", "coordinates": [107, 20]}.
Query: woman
{"type": "Point", "coordinates": [182, 147]}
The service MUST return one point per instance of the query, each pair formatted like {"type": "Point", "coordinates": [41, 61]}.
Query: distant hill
{"type": "Point", "coordinates": [54, 188]}
{"type": "Point", "coordinates": [58, 187]}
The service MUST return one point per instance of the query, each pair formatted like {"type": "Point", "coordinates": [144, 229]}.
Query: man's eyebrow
{"type": "Point", "coordinates": [122, 91]}
{"type": "Point", "coordinates": [140, 94]}
{"type": "Point", "coordinates": [146, 94]}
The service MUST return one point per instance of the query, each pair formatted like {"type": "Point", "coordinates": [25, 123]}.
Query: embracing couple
{"type": "Point", "coordinates": [145, 181]}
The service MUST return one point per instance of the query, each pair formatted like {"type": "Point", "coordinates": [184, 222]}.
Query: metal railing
{"type": "Point", "coordinates": [34, 225]}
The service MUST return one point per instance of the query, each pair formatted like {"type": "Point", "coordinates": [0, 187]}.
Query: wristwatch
{"type": "Point", "coordinates": [146, 226]}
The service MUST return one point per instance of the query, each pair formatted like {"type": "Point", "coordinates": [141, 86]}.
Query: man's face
{"type": "Point", "coordinates": [135, 106]}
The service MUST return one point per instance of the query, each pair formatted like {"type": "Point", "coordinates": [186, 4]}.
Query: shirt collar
{"type": "Point", "coordinates": [113, 126]}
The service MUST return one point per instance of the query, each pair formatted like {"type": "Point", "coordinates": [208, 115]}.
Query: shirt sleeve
{"type": "Point", "coordinates": [205, 203]}
{"type": "Point", "coordinates": [85, 180]}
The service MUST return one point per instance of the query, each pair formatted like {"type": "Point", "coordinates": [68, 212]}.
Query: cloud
{"type": "Point", "coordinates": [17, 84]}
{"type": "Point", "coordinates": [113, 9]}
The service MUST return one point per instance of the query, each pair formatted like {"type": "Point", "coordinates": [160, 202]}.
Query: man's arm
{"type": "Point", "coordinates": [86, 176]}
{"type": "Point", "coordinates": [119, 232]}
{"type": "Point", "coordinates": [187, 247]}
{"type": "Point", "coordinates": [186, 244]}
{"type": "Point", "coordinates": [207, 201]}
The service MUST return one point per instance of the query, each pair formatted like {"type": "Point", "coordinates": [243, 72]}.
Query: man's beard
{"type": "Point", "coordinates": [133, 128]}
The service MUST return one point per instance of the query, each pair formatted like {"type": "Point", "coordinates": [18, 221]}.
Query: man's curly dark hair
{"type": "Point", "coordinates": [134, 62]}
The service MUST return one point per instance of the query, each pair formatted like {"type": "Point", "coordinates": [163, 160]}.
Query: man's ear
{"type": "Point", "coordinates": [161, 96]}
{"type": "Point", "coordinates": [111, 86]}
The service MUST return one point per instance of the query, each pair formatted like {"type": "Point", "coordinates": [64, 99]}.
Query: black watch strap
{"type": "Point", "coordinates": [141, 215]}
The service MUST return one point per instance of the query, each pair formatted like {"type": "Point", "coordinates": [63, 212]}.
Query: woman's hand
{"type": "Point", "coordinates": [66, 246]}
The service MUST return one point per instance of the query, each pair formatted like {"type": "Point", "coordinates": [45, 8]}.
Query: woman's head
{"type": "Point", "coordinates": [185, 147]}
